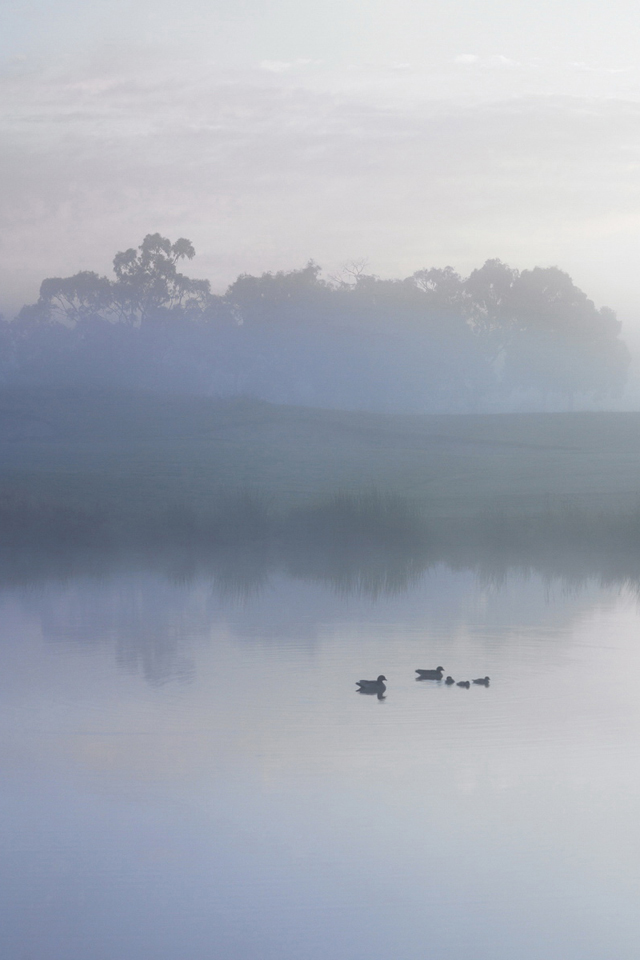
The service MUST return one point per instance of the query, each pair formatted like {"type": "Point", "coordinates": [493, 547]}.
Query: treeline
{"type": "Point", "coordinates": [434, 341]}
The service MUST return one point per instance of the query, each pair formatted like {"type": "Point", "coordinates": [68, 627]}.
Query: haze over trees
{"type": "Point", "coordinates": [434, 341]}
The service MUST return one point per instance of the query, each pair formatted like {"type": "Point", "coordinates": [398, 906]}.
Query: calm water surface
{"type": "Point", "coordinates": [189, 776]}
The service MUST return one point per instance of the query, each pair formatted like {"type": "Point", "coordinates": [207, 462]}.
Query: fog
{"type": "Point", "coordinates": [319, 360]}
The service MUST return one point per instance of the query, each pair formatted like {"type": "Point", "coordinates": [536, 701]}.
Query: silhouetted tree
{"type": "Point", "coordinates": [281, 297]}
{"type": "Point", "coordinates": [545, 332]}
{"type": "Point", "coordinates": [71, 299]}
{"type": "Point", "coordinates": [147, 279]}
{"type": "Point", "coordinates": [444, 288]}
{"type": "Point", "coordinates": [147, 282]}
{"type": "Point", "coordinates": [486, 302]}
{"type": "Point", "coordinates": [363, 341]}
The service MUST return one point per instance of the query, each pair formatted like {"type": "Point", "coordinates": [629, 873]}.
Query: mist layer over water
{"type": "Point", "coordinates": [192, 774]}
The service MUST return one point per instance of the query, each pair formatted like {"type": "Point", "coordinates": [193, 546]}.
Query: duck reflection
{"type": "Point", "coordinates": [373, 693]}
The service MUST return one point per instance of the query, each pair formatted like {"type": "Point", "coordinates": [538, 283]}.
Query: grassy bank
{"type": "Point", "coordinates": [141, 452]}
{"type": "Point", "coordinates": [362, 501]}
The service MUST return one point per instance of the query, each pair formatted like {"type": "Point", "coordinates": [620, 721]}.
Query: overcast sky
{"type": "Point", "coordinates": [270, 132]}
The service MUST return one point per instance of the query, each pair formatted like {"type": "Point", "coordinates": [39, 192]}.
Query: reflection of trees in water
{"type": "Point", "coordinates": [151, 606]}
{"type": "Point", "coordinates": [156, 656]}
{"type": "Point", "coordinates": [242, 573]}
{"type": "Point", "coordinates": [365, 545]}
{"type": "Point", "coordinates": [142, 617]}
{"type": "Point", "coordinates": [353, 555]}
{"type": "Point", "coordinates": [356, 573]}
{"type": "Point", "coordinates": [569, 546]}
{"type": "Point", "coordinates": [149, 635]}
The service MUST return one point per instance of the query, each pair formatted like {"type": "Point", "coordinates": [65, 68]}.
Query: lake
{"type": "Point", "coordinates": [188, 771]}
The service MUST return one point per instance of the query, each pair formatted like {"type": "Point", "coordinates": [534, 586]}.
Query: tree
{"type": "Point", "coordinates": [147, 279]}
{"type": "Point", "coordinates": [487, 304]}
{"type": "Point", "coordinates": [543, 331]}
{"type": "Point", "coordinates": [559, 341]}
{"type": "Point", "coordinates": [278, 297]}
{"type": "Point", "coordinates": [71, 300]}
{"type": "Point", "coordinates": [443, 287]}
{"type": "Point", "coordinates": [147, 283]}
{"type": "Point", "coordinates": [431, 341]}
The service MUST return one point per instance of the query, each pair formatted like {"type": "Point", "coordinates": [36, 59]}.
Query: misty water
{"type": "Point", "coordinates": [188, 771]}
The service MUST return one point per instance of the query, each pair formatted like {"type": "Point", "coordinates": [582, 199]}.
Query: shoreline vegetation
{"type": "Point", "coordinates": [362, 502]}
{"type": "Point", "coordinates": [366, 543]}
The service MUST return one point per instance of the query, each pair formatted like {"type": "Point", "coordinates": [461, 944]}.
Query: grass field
{"type": "Point", "coordinates": [141, 452]}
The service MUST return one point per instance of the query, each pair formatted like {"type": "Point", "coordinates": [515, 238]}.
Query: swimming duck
{"type": "Point", "coordinates": [430, 674]}
{"type": "Point", "coordinates": [482, 682]}
{"type": "Point", "coordinates": [372, 686]}
{"type": "Point", "coordinates": [449, 681]}
{"type": "Point", "coordinates": [463, 683]}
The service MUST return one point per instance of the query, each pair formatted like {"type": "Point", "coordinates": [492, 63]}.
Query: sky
{"type": "Point", "coordinates": [407, 134]}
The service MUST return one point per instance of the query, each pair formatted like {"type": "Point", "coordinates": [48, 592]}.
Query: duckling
{"type": "Point", "coordinates": [449, 681]}
{"type": "Point", "coordinates": [372, 686]}
{"type": "Point", "coordinates": [463, 683]}
{"type": "Point", "coordinates": [430, 674]}
{"type": "Point", "coordinates": [482, 682]}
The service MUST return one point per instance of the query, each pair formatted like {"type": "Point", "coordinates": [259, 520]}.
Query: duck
{"type": "Point", "coordinates": [482, 681]}
{"type": "Point", "coordinates": [449, 681]}
{"type": "Point", "coordinates": [463, 683]}
{"type": "Point", "coordinates": [372, 686]}
{"type": "Point", "coordinates": [430, 674]}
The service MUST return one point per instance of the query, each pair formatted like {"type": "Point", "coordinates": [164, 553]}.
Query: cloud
{"type": "Point", "coordinates": [591, 68]}
{"type": "Point", "coordinates": [503, 61]}
{"type": "Point", "coordinates": [498, 60]}
{"type": "Point", "coordinates": [275, 66]}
